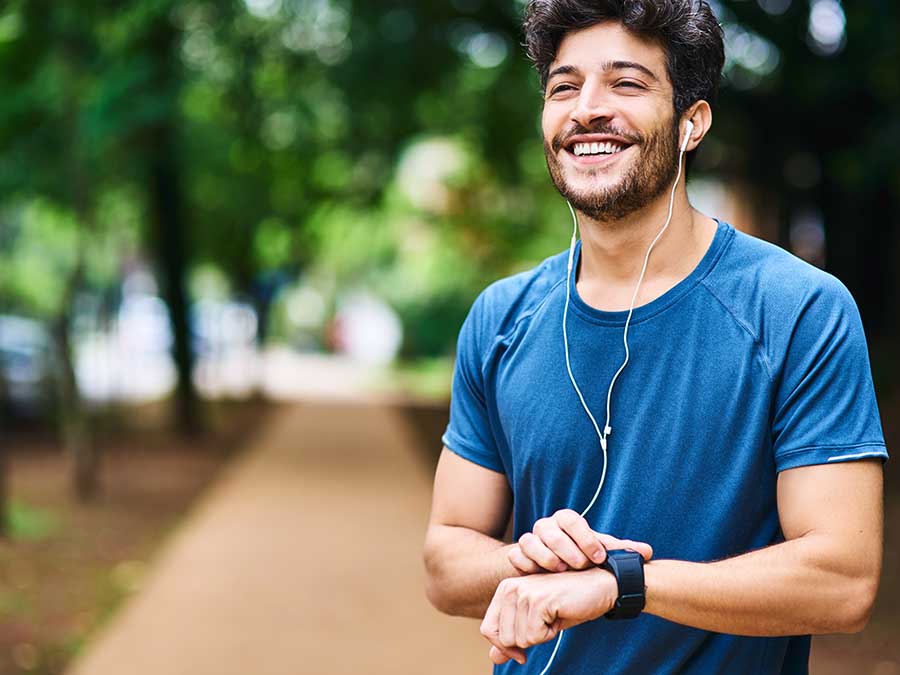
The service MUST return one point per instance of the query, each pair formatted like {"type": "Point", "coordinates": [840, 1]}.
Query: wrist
{"type": "Point", "coordinates": [658, 580]}
{"type": "Point", "coordinates": [507, 569]}
{"type": "Point", "coordinates": [605, 588]}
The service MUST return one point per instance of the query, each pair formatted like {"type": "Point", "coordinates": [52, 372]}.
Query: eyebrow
{"type": "Point", "coordinates": [606, 66]}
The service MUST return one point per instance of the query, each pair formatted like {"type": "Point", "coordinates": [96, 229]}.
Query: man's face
{"type": "Point", "coordinates": [608, 90]}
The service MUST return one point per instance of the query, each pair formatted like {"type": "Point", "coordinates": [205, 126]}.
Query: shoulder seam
{"type": "Point", "coordinates": [745, 327]}
{"type": "Point", "coordinates": [540, 303]}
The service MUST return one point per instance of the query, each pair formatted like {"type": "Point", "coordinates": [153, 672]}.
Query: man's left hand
{"type": "Point", "coordinates": [529, 610]}
{"type": "Point", "coordinates": [565, 541]}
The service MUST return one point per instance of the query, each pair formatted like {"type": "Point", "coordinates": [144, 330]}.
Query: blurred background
{"type": "Point", "coordinates": [237, 241]}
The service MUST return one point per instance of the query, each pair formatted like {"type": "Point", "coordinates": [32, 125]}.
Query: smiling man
{"type": "Point", "coordinates": [679, 417]}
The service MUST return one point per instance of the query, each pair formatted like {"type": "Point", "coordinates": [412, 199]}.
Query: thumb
{"type": "Point", "coordinates": [611, 543]}
{"type": "Point", "coordinates": [499, 656]}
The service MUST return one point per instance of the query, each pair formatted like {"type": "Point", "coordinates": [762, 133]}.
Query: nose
{"type": "Point", "coordinates": [592, 106]}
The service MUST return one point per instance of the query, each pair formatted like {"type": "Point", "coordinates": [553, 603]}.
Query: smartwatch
{"type": "Point", "coordinates": [628, 568]}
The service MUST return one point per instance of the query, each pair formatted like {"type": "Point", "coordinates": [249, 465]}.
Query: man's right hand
{"type": "Point", "coordinates": [565, 541]}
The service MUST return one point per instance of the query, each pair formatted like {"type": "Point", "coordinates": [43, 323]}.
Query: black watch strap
{"type": "Point", "coordinates": [628, 568]}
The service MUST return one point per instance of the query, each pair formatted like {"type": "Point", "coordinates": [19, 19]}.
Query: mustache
{"type": "Point", "coordinates": [563, 136]}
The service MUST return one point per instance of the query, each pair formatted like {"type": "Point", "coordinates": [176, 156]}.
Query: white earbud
{"type": "Point", "coordinates": [688, 129]}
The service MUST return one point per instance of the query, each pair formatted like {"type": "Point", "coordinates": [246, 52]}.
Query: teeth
{"type": "Point", "coordinates": [608, 148]}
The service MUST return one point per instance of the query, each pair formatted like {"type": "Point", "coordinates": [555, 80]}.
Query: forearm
{"type": "Point", "coordinates": [463, 568]}
{"type": "Point", "coordinates": [806, 585]}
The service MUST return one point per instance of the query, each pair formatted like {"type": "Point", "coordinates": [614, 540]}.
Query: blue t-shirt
{"type": "Point", "coordinates": [753, 364]}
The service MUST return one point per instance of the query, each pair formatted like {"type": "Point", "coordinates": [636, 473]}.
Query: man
{"type": "Point", "coordinates": [742, 451]}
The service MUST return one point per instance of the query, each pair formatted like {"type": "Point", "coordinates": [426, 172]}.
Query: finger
{"type": "Point", "coordinates": [584, 537]}
{"type": "Point", "coordinates": [489, 625]}
{"type": "Point", "coordinates": [522, 562]}
{"type": "Point", "coordinates": [641, 547]}
{"type": "Point", "coordinates": [532, 546]}
{"type": "Point", "coordinates": [507, 618]}
{"type": "Point", "coordinates": [521, 623]}
{"type": "Point", "coordinates": [553, 537]}
{"type": "Point", "coordinates": [543, 622]}
{"type": "Point", "coordinates": [499, 656]}
{"type": "Point", "coordinates": [611, 542]}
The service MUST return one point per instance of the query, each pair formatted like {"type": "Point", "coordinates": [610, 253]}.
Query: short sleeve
{"type": "Point", "coordinates": [825, 407]}
{"type": "Point", "coordinates": [469, 433]}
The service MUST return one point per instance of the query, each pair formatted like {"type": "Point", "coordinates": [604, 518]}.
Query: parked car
{"type": "Point", "coordinates": [27, 369]}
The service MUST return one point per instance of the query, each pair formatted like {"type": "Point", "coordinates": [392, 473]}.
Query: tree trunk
{"type": "Point", "coordinates": [171, 248]}
{"type": "Point", "coordinates": [83, 453]}
{"type": "Point", "coordinates": [4, 493]}
{"type": "Point", "coordinates": [167, 210]}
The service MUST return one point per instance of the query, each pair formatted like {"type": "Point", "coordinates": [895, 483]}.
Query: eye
{"type": "Point", "coordinates": [629, 83]}
{"type": "Point", "coordinates": [561, 88]}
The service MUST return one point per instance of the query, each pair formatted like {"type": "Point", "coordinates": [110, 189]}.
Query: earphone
{"type": "Point", "coordinates": [607, 428]}
{"type": "Point", "coordinates": [688, 130]}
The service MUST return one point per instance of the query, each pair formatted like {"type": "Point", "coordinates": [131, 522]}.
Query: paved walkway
{"type": "Point", "coordinates": [304, 558]}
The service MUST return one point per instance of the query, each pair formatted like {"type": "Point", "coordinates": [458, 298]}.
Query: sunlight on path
{"type": "Point", "coordinates": [303, 559]}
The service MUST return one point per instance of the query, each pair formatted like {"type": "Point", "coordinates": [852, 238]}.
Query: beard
{"type": "Point", "coordinates": [643, 181]}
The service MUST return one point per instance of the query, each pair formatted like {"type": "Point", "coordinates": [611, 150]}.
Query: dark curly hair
{"type": "Point", "coordinates": [687, 30]}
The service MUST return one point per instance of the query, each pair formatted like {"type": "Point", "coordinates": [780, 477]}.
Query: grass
{"type": "Point", "coordinates": [31, 523]}
{"type": "Point", "coordinates": [428, 378]}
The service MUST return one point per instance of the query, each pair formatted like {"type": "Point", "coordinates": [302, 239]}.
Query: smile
{"type": "Point", "coordinates": [597, 148]}
{"type": "Point", "coordinates": [595, 153]}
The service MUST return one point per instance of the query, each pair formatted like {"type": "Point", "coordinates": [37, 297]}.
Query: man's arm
{"type": "Point", "coordinates": [465, 558]}
{"type": "Point", "coordinates": [822, 579]}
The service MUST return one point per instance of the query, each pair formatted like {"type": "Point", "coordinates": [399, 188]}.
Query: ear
{"type": "Point", "coordinates": [701, 115]}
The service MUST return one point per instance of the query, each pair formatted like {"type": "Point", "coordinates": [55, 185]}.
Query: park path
{"type": "Point", "coordinates": [303, 558]}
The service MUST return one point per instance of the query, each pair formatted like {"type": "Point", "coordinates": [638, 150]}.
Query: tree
{"type": "Point", "coordinates": [821, 130]}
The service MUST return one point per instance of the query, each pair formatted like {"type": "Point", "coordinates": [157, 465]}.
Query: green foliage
{"type": "Point", "coordinates": [30, 522]}
{"type": "Point", "coordinates": [40, 252]}
{"type": "Point", "coordinates": [297, 124]}
{"type": "Point", "coordinates": [427, 378]}
{"type": "Point", "coordinates": [39, 248]}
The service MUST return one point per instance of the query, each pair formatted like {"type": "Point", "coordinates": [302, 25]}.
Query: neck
{"type": "Point", "coordinates": [612, 252]}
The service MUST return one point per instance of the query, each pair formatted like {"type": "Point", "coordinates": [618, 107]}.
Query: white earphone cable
{"type": "Point", "coordinates": [607, 429]}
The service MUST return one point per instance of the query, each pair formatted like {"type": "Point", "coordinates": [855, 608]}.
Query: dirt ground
{"type": "Point", "coordinates": [304, 557]}
{"type": "Point", "coordinates": [79, 561]}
